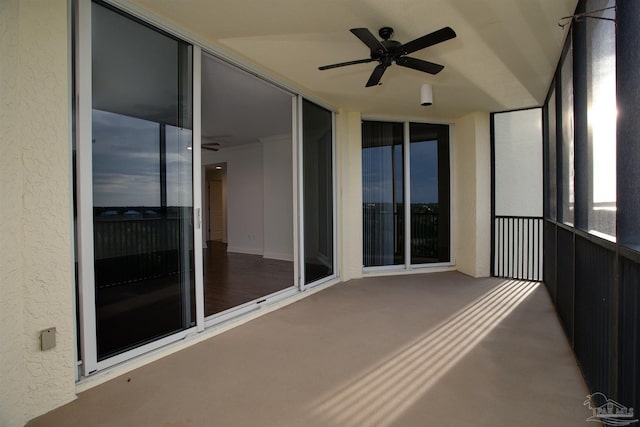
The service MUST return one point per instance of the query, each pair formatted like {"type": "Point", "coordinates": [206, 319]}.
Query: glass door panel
{"type": "Point", "coordinates": [317, 152]}
{"type": "Point", "coordinates": [382, 193]}
{"type": "Point", "coordinates": [142, 182]}
{"type": "Point", "coordinates": [429, 183]}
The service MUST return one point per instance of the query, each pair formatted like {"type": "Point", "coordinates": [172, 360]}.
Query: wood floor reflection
{"type": "Point", "coordinates": [232, 279]}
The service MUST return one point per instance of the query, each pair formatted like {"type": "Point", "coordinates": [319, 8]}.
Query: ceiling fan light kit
{"type": "Point", "coordinates": [388, 51]}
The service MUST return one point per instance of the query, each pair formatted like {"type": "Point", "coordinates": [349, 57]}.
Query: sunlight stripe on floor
{"type": "Point", "coordinates": [384, 393]}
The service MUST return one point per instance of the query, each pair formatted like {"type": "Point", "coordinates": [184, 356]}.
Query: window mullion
{"type": "Point", "coordinates": [407, 197]}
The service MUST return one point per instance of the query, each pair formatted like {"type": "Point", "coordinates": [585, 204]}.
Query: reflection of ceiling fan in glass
{"type": "Point", "coordinates": [388, 51]}
{"type": "Point", "coordinates": [210, 142]}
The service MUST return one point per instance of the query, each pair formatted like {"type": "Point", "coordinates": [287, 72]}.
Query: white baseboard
{"type": "Point", "coordinates": [247, 251]}
{"type": "Point", "coordinates": [279, 256]}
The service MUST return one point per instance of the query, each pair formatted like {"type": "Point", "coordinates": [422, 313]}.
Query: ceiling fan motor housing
{"type": "Point", "coordinates": [393, 49]}
{"type": "Point", "coordinates": [385, 33]}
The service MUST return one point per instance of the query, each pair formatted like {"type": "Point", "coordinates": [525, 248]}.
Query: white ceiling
{"type": "Point", "coordinates": [239, 108]}
{"type": "Point", "coordinates": [503, 57]}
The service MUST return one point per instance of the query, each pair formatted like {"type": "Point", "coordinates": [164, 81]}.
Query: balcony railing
{"type": "Point", "coordinates": [383, 235]}
{"type": "Point", "coordinates": [129, 250]}
{"type": "Point", "coordinates": [424, 235]}
{"type": "Point", "coordinates": [517, 247]}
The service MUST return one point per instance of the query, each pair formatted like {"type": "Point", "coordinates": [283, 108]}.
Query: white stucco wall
{"type": "Point", "coordinates": [36, 263]}
{"type": "Point", "coordinates": [483, 195]}
{"type": "Point", "coordinates": [472, 209]}
{"type": "Point", "coordinates": [12, 366]}
{"type": "Point", "coordinates": [349, 171]}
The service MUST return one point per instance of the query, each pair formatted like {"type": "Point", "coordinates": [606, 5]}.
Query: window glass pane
{"type": "Point", "coordinates": [117, 180]}
{"type": "Point", "coordinates": [382, 193]}
{"type": "Point", "coordinates": [567, 158]}
{"type": "Point", "coordinates": [429, 187]}
{"type": "Point", "coordinates": [601, 111]}
{"type": "Point", "coordinates": [552, 189]}
{"type": "Point", "coordinates": [142, 185]}
{"type": "Point", "coordinates": [317, 129]}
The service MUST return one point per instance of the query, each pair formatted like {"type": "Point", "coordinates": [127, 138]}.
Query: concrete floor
{"type": "Point", "coordinates": [422, 350]}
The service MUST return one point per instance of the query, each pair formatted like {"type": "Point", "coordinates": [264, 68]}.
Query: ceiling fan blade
{"type": "Point", "coordinates": [436, 37]}
{"type": "Point", "coordinates": [419, 64]}
{"type": "Point", "coordinates": [204, 147]}
{"type": "Point", "coordinates": [376, 75]}
{"type": "Point", "coordinates": [369, 39]}
{"type": "Point", "coordinates": [343, 64]}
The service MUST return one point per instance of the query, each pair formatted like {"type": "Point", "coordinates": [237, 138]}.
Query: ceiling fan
{"type": "Point", "coordinates": [387, 51]}
{"type": "Point", "coordinates": [212, 145]}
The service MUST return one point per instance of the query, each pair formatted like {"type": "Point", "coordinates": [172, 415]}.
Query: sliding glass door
{"type": "Point", "coordinates": [317, 170]}
{"type": "Point", "coordinates": [144, 111]}
{"type": "Point", "coordinates": [405, 161]}
{"type": "Point", "coordinates": [140, 168]}
{"type": "Point", "coordinates": [429, 184]}
{"type": "Point", "coordinates": [247, 161]}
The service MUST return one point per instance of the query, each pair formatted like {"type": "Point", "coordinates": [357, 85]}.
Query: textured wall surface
{"type": "Point", "coordinates": [12, 389]}
{"type": "Point", "coordinates": [483, 195]}
{"type": "Point", "coordinates": [35, 173]}
{"type": "Point", "coordinates": [349, 171]}
{"type": "Point", "coordinates": [464, 154]}
{"type": "Point", "coordinates": [472, 210]}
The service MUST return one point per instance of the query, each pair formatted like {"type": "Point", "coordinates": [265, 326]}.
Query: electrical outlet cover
{"type": "Point", "coordinates": [47, 339]}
